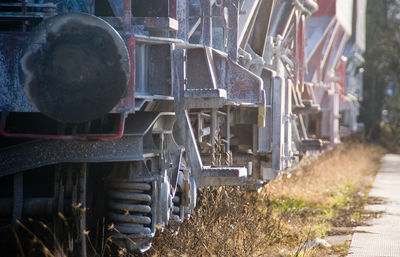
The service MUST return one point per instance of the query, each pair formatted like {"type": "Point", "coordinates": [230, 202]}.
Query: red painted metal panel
{"type": "Point", "coordinates": [172, 9]}
{"type": "Point", "coordinates": [128, 102]}
{"type": "Point", "coordinates": [341, 9]}
{"type": "Point", "coordinates": [340, 75]}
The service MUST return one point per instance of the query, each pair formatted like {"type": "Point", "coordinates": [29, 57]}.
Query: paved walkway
{"type": "Point", "coordinates": [382, 237]}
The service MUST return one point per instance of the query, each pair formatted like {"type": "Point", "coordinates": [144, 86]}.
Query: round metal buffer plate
{"type": "Point", "coordinates": [75, 67]}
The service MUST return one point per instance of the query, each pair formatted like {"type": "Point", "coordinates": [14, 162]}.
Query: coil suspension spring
{"type": "Point", "coordinates": [178, 210]}
{"type": "Point", "coordinates": [130, 208]}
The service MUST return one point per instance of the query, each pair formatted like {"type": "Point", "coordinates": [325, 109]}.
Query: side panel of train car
{"type": "Point", "coordinates": [114, 112]}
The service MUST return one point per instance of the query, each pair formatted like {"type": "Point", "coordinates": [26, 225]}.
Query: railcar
{"type": "Point", "coordinates": [114, 112]}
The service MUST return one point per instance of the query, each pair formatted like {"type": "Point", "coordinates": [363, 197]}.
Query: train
{"type": "Point", "coordinates": [115, 112]}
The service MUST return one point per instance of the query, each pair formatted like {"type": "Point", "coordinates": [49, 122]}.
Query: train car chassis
{"type": "Point", "coordinates": [113, 113]}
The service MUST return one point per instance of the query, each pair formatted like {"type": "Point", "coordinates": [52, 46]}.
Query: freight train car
{"type": "Point", "coordinates": [114, 112]}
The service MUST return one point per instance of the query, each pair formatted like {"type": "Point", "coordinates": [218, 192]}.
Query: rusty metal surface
{"type": "Point", "coordinates": [205, 98]}
{"type": "Point", "coordinates": [127, 103]}
{"type": "Point", "coordinates": [183, 131]}
{"type": "Point", "coordinates": [211, 69]}
{"type": "Point", "coordinates": [75, 62]}
{"type": "Point", "coordinates": [36, 154]}
{"type": "Point", "coordinates": [12, 96]}
{"type": "Point", "coordinates": [40, 153]}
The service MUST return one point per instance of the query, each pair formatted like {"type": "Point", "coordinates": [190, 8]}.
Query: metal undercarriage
{"type": "Point", "coordinates": [114, 113]}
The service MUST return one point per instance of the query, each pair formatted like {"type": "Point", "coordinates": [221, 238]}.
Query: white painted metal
{"type": "Point", "coordinates": [278, 111]}
{"type": "Point", "coordinates": [247, 9]}
{"type": "Point", "coordinates": [334, 119]}
{"type": "Point", "coordinates": [360, 24]}
{"type": "Point", "coordinates": [344, 14]}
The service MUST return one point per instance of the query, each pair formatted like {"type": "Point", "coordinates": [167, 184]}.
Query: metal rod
{"type": "Point", "coordinates": [202, 114]}
{"type": "Point", "coordinates": [228, 128]}
{"type": "Point", "coordinates": [58, 207]}
{"type": "Point", "coordinates": [221, 113]}
{"type": "Point", "coordinates": [24, 12]}
{"type": "Point", "coordinates": [18, 198]}
{"type": "Point", "coordinates": [127, 19]}
{"type": "Point", "coordinates": [182, 16]}
{"type": "Point", "coordinates": [199, 127]}
{"type": "Point", "coordinates": [233, 15]}
{"type": "Point", "coordinates": [82, 210]}
{"type": "Point", "coordinates": [206, 22]}
{"type": "Point", "coordinates": [213, 129]}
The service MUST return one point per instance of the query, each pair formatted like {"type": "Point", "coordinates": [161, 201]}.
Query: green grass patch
{"type": "Point", "coordinates": [288, 204]}
{"type": "Point", "coordinates": [321, 228]}
{"type": "Point", "coordinates": [341, 195]}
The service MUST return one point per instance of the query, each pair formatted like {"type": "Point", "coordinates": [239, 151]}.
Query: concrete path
{"type": "Point", "coordinates": [382, 237]}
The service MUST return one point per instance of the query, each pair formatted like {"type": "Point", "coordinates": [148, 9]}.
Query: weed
{"type": "Point", "coordinates": [321, 228]}
{"type": "Point", "coordinates": [288, 204]}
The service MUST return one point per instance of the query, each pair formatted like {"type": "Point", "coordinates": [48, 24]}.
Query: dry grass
{"type": "Point", "coordinates": [320, 193]}
{"type": "Point", "coordinates": [324, 193]}
{"type": "Point", "coordinates": [314, 179]}
{"type": "Point", "coordinates": [223, 225]}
